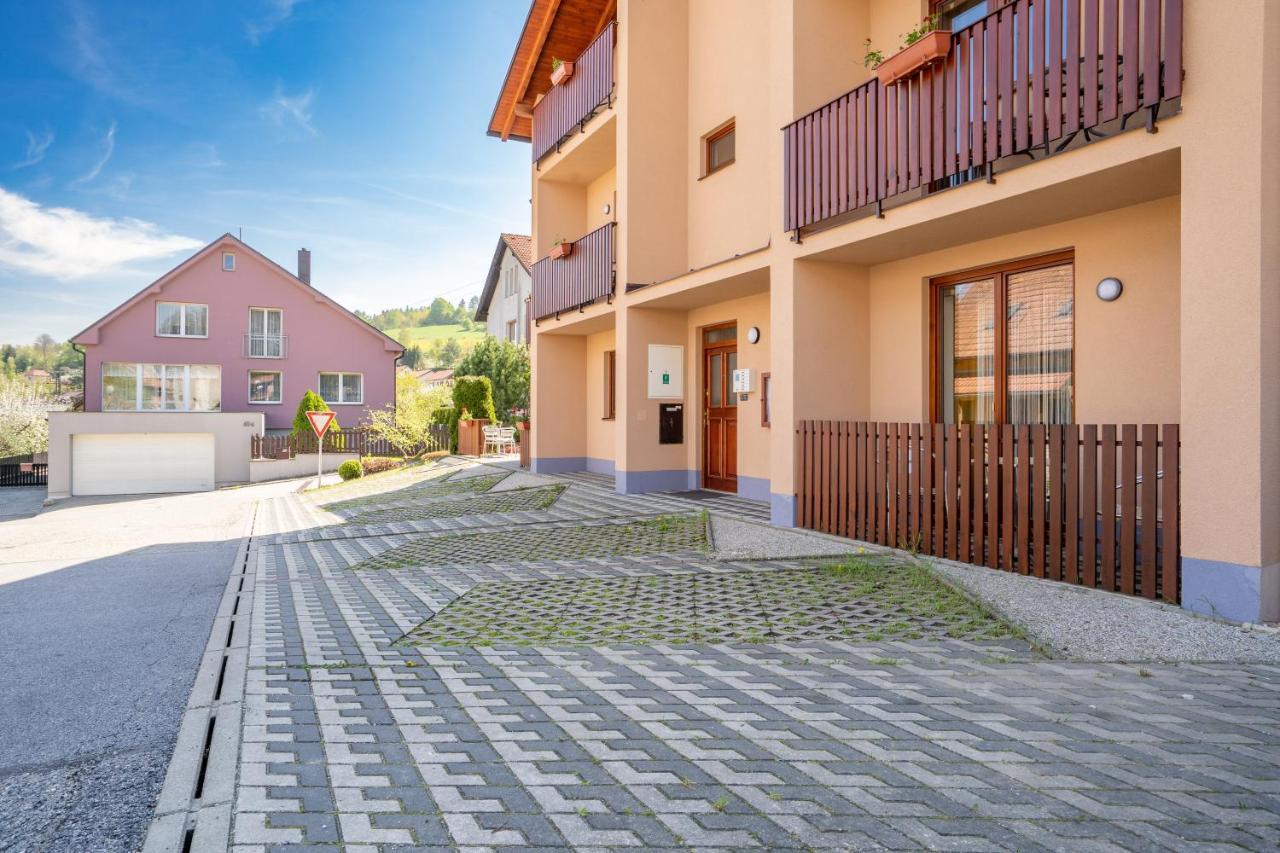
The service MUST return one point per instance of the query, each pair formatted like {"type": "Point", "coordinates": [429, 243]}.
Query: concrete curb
{"type": "Point", "coordinates": [193, 812]}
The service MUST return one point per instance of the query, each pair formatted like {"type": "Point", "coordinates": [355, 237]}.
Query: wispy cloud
{"type": "Point", "coordinates": [290, 110]}
{"type": "Point", "coordinates": [37, 145]}
{"type": "Point", "coordinates": [108, 148]}
{"type": "Point", "coordinates": [93, 59]}
{"type": "Point", "coordinates": [64, 243]}
{"type": "Point", "coordinates": [438, 205]}
{"type": "Point", "coordinates": [278, 12]}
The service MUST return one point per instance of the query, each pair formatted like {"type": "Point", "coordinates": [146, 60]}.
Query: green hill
{"type": "Point", "coordinates": [424, 335]}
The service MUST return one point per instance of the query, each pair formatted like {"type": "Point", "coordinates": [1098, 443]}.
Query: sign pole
{"type": "Point", "coordinates": [320, 422]}
{"type": "Point", "coordinates": [320, 463]}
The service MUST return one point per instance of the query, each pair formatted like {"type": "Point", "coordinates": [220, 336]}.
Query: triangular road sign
{"type": "Point", "coordinates": [320, 422]}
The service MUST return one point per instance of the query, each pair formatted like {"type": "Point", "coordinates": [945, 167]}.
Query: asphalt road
{"type": "Point", "coordinates": [105, 609]}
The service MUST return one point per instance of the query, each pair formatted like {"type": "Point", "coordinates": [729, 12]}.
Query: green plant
{"type": "Point", "coordinates": [310, 402]}
{"type": "Point", "coordinates": [473, 395]}
{"type": "Point", "coordinates": [556, 62]}
{"type": "Point", "coordinates": [350, 469]}
{"type": "Point", "coordinates": [873, 57]}
{"type": "Point", "coordinates": [378, 464]}
{"type": "Point", "coordinates": [927, 24]}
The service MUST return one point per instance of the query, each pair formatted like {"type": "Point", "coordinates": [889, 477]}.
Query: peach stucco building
{"type": "Point", "coordinates": [931, 261]}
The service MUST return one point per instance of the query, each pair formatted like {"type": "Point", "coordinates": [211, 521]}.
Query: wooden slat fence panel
{"type": "Point", "coordinates": [356, 440]}
{"type": "Point", "coordinates": [1032, 73]}
{"type": "Point", "coordinates": [565, 107]}
{"type": "Point", "coordinates": [1089, 505]}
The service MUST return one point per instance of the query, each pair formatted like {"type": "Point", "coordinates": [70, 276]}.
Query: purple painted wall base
{"type": "Point", "coordinates": [782, 510]}
{"type": "Point", "coordinates": [1231, 591]}
{"type": "Point", "coordinates": [753, 488]}
{"type": "Point", "coordinates": [638, 482]}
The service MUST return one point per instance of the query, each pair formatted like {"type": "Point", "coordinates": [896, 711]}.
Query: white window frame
{"type": "Point", "coordinates": [182, 320]}
{"type": "Point", "coordinates": [341, 387]}
{"type": "Point", "coordinates": [279, 385]}
{"type": "Point", "coordinates": [137, 388]}
{"type": "Point", "coordinates": [265, 337]}
{"type": "Point", "coordinates": [229, 256]}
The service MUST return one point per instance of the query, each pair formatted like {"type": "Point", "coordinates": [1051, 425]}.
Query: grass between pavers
{"type": "Point", "coordinates": [418, 488]}
{"type": "Point", "coordinates": [860, 600]}
{"type": "Point", "coordinates": [660, 535]}
{"type": "Point", "coordinates": [512, 500]}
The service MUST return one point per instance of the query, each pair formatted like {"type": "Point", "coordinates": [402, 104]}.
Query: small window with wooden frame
{"type": "Point", "coordinates": [1002, 342]}
{"type": "Point", "coordinates": [719, 148]}
{"type": "Point", "coordinates": [766, 405]}
{"type": "Point", "coordinates": [610, 385]}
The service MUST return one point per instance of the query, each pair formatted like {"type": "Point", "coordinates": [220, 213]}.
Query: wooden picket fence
{"type": "Point", "coordinates": [1090, 505]}
{"type": "Point", "coordinates": [358, 440]}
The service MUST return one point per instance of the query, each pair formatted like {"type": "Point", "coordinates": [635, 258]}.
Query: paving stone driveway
{"type": "Point", "coordinates": [350, 739]}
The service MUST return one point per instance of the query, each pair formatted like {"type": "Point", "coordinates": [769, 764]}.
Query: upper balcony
{"type": "Point", "coordinates": [568, 105]}
{"type": "Point", "coordinates": [576, 280]}
{"type": "Point", "coordinates": [1027, 81]}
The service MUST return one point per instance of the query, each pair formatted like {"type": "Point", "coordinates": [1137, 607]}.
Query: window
{"type": "Point", "coordinates": [265, 338]}
{"type": "Point", "coordinates": [265, 386]}
{"type": "Point", "coordinates": [718, 148]}
{"type": "Point", "coordinates": [228, 261]}
{"type": "Point", "coordinates": [1003, 345]}
{"type": "Point", "coordinates": [766, 413]}
{"type": "Point", "coordinates": [512, 335]}
{"type": "Point", "coordinates": [345, 389]}
{"type": "Point", "coordinates": [129, 387]}
{"type": "Point", "coordinates": [958, 14]}
{"type": "Point", "coordinates": [182, 320]}
{"type": "Point", "coordinates": [610, 384]}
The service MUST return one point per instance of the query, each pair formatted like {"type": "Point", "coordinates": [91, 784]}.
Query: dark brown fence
{"type": "Point", "coordinates": [1089, 505]}
{"type": "Point", "coordinates": [1033, 74]}
{"type": "Point", "coordinates": [568, 106]}
{"type": "Point", "coordinates": [22, 471]}
{"type": "Point", "coordinates": [583, 277]}
{"type": "Point", "coordinates": [358, 440]}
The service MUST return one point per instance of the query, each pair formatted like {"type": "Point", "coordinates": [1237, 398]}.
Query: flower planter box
{"type": "Point", "coordinates": [471, 437]}
{"type": "Point", "coordinates": [560, 251]}
{"type": "Point", "coordinates": [560, 75]}
{"type": "Point", "coordinates": [912, 58]}
{"type": "Point", "coordinates": [526, 444]}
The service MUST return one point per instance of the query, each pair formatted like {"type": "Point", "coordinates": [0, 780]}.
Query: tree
{"type": "Point", "coordinates": [407, 427]}
{"type": "Point", "coordinates": [440, 313]}
{"type": "Point", "coordinates": [46, 346]}
{"type": "Point", "coordinates": [507, 367]}
{"type": "Point", "coordinates": [310, 402]}
{"type": "Point", "coordinates": [24, 417]}
{"type": "Point", "coordinates": [450, 352]}
{"type": "Point", "coordinates": [412, 357]}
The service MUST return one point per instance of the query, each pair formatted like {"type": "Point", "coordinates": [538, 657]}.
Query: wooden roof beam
{"type": "Point", "coordinates": [540, 38]}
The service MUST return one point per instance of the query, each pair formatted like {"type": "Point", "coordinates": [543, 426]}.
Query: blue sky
{"type": "Point", "coordinates": [132, 133]}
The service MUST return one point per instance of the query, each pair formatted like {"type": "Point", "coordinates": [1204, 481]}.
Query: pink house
{"type": "Point", "coordinates": [230, 330]}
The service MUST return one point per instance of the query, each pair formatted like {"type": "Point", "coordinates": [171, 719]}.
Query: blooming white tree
{"type": "Point", "coordinates": [24, 416]}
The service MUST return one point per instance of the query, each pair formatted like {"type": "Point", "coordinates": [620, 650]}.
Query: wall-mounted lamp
{"type": "Point", "coordinates": [753, 335]}
{"type": "Point", "coordinates": [607, 209]}
{"type": "Point", "coordinates": [1109, 289]}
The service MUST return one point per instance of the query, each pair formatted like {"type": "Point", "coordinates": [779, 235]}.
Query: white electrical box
{"type": "Point", "coordinates": [666, 372]}
{"type": "Point", "coordinates": [742, 380]}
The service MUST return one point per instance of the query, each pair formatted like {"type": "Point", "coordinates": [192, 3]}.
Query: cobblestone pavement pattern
{"type": "Point", "coordinates": [351, 737]}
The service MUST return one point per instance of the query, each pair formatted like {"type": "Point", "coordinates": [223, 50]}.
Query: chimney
{"type": "Point", "coordinates": [304, 266]}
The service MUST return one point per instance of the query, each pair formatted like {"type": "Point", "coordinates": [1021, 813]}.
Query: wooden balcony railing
{"type": "Point", "coordinates": [568, 106]}
{"type": "Point", "coordinates": [1088, 505]}
{"type": "Point", "coordinates": [1028, 79]}
{"type": "Point", "coordinates": [583, 277]}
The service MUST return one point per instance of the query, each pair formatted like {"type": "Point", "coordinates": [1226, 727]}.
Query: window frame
{"type": "Point", "coordinates": [610, 385]}
{"type": "Point", "coordinates": [164, 369]}
{"type": "Point", "coordinates": [766, 408]}
{"type": "Point", "coordinates": [341, 374]}
{"type": "Point", "coordinates": [182, 320]}
{"type": "Point", "coordinates": [279, 385]}
{"type": "Point", "coordinates": [228, 256]}
{"type": "Point", "coordinates": [265, 337]}
{"type": "Point", "coordinates": [1000, 272]}
{"type": "Point", "coordinates": [710, 138]}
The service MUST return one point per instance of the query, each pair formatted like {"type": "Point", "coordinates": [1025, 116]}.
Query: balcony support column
{"type": "Point", "coordinates": [1230, 314]}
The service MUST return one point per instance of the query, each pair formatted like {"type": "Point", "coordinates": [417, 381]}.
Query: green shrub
{"type": "Point", "coordinates": [350, 469]}
{"type": "Point", "coordinates": [475, 394]}
{"type": "Point", "coordinates": [310, 402]}
{"type": "Point", "coordinates": [378, 464]}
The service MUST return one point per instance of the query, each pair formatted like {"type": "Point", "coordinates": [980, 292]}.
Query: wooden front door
{"type": "Point", "coordinates": [719, 409]}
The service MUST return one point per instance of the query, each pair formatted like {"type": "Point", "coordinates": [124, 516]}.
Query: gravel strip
{"type": "Point", "coordinates": [1087, 624]}
{"type": "Point", "coordinates": [745, 540]}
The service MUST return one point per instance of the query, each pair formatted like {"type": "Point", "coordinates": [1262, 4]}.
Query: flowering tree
{"type": "Point", "coordinates": [407, 426]}
{"type": "Point", "coordinates": [24, 416]}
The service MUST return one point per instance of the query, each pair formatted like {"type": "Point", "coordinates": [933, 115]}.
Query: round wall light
{"type": "Point", "coordinates": [753, 335]}
{"type": "Point", "coordinates": [1109, 289]}
{"type": "Point", "coordinates": [607, 209]}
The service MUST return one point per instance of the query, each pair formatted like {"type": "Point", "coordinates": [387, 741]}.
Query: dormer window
{"type": "Point", "coordinates": [228, 261]}
{"type": "Point", "coordinates": [182, 320]}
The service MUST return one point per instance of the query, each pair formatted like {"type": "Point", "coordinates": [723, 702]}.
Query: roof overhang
{"type": "Point", "coordinates": [553, 29]}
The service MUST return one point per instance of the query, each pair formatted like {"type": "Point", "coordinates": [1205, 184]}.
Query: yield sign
{"type": "Point", "coordinates": [320, 422]}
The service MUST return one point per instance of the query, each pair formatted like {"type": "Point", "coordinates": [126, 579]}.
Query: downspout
{"type": "Point", "coordinates": [84, 374]}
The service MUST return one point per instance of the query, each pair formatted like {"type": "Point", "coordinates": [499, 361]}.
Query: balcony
{"type": "Point", "coordinates": [568, 106]}
{"type": "Point", "coordinates": [1003, 91]}
{"type": "Point", "coordinates": [266, 346]}
{"type": "Point", "coordinates": [578, 280]}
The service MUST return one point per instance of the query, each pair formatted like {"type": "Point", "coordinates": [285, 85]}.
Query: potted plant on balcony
{"type": "Point", "coordinates": [561, 249]}
{"type": "Point", "coordinates": [923, 45]}
{"type": "Point", "coordinates": [561, 71]}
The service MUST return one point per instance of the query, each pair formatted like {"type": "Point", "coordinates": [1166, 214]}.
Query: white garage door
{"type": "Point", "coordinates": [141, 463]}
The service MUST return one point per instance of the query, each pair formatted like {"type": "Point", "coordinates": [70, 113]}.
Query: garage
{"type": "Point", "coordinates": [141, 463]}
